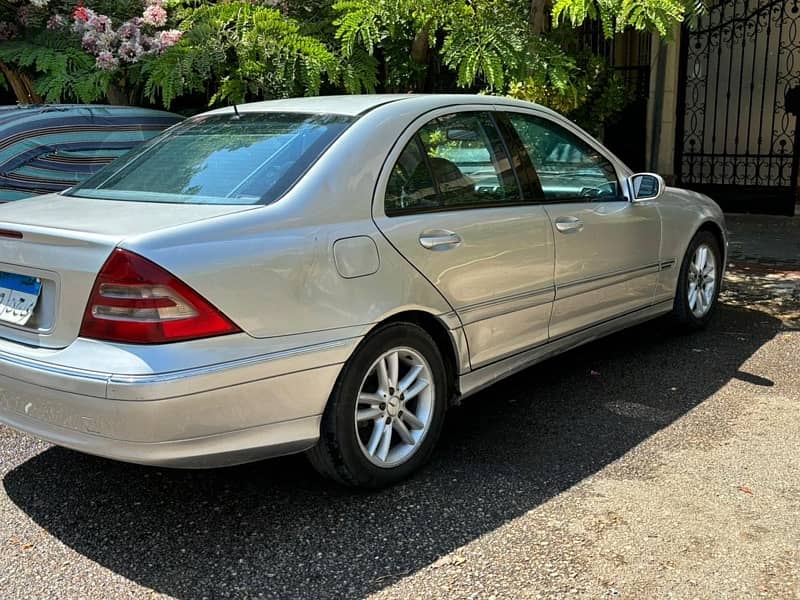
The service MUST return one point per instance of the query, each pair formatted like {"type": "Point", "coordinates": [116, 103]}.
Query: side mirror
{"type": "Point", "coordinates": [647, 186]}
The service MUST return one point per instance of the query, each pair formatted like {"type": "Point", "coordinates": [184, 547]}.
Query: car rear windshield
{"type": "Point", "coordinates": [249, 158]}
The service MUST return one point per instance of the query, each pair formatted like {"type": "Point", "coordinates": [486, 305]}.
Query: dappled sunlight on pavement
{"type": "Point", "coordinates": [771, 289]}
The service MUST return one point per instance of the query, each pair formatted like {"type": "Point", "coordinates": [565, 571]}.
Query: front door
{"type": "Point", "coordinates": [453, 207]}
{"type": "Point", "coordinates": [607, 248]}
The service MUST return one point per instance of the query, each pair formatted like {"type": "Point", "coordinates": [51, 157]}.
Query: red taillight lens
{"type": "Point", "coordinates": [134, 301]}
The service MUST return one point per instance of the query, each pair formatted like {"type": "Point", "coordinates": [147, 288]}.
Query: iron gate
{"type": "Point", "coordinates": [737, 139]}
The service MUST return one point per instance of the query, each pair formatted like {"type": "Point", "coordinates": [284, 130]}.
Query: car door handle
{"type": "Point", "coordinates": [439, 239]}
{"type": "Point", "coordinates": [569, 224]}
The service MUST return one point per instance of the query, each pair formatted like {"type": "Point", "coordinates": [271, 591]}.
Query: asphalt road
{"type": "Point", "coordinates": [648, 464]}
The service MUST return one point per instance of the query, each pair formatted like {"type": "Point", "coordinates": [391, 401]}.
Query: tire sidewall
{"type": "Point", "coordinates": [344, 399]}
{"type": "Point", "coordinates": [682, 310]}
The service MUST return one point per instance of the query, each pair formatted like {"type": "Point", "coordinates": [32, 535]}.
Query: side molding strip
{"type": "Point", "coordinates": [485, 376]}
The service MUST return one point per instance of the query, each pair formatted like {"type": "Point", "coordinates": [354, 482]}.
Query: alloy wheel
{"type": "Point", "coordinates": [702, 280]}
{"type": "Point", "coordinates": [395, 407]}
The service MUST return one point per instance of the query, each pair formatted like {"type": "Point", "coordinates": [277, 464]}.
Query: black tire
{"type": "Point", "coordinates": [338, 454]}
{"type": "Point", "coordinates": [682, 312]}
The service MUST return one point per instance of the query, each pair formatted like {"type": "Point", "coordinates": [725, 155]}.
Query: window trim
{"type": "Point", "coordinates": [620, 169]}
{"type": "Point", "coordinates": [415, 139]}
{"type": "Point", "coordinates": [532, 183]}
{"type": "Point", "coordinates": [424, 154]}
{"type": "Point", "coordinates": [506, 152]}
{"type": "Point", "coordinates": [379, 195]}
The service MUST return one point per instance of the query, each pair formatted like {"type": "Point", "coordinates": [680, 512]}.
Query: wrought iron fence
{"type": "Point", "coordinates": [734, 127]}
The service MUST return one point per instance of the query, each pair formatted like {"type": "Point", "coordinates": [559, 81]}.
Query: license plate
{"type": "Point", "coordinates": [18, 297]}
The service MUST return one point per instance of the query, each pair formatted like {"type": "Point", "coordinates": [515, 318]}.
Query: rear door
{"type": "Point", "coordinates": [606, 247]}
{"type": "Point", "coordinates": [450, 202]}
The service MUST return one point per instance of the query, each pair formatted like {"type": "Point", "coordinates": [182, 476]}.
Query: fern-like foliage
{"type": "Point", "coordinates": [61, 70]}
{"type": "Point", "coordinates": [363, 24]}
{"type": "Point", "coordinates": [182, 69]}
{"type": "Point", "coordinates": [580, 85]}
{"type": "Point", "coordinates": [481, 40]}
{"type": "Point", "coordinates": [239, 51]}
{"type": "Point", "coordinates": [617, 15]}
{"type": "Point", "coordinates": [485, 44]}
{"type": "Point", "coordinates": [359, 72]}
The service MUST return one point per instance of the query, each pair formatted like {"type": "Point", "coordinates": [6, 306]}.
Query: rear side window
{"type": "Point", "coordinates": [219, 159]}
{"type": "Point", "coordinates": [411, 185]}
{"type": "Point", "coordinates": [455, 161]}
{"type": "Point", "coordinates": [568, 168]}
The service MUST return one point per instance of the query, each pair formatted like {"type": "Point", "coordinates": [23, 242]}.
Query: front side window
{"type": "Point", "coordinates": [455, 161]}
{"type": "Point", "coordinates": [568, 167]}
{"type": "Point", "coordinates": [249, 158]}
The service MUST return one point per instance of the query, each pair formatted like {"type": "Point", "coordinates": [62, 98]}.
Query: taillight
{"type": "Point", "coordinates": [135, 301]}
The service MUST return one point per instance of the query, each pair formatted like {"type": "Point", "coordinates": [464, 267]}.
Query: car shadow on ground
{"type": "Point", "coordinates": [276, 529]}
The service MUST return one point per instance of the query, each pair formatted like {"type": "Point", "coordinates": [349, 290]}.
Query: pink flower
{"type": "Point", "coordinates": [168, 38]}
{"type": "Point", "coordinates": [90, 42]}
{"type": "Point", "coordinates": [81, 13]}
{"type": "Point", "coordinates": [155, 15]}
{"type": "Point", "coordinates": [100, 23]}
{"type": "Point", "coordinates": [7, 31]}
{"type": "Point", "coordinates": [56, 22]}
{"type": "Point", "coordinates": [106, 61]}
{"type": "Point", "coordinates": [23, 14]}
{"type": "Point", "coordinates": [130, 52]}
{"type": "Point", "coordinates": [148, 43]}
{"type": "Point", "coordinates": [129, 30]}
{"type": "Point", "coordinates": [80, 18]}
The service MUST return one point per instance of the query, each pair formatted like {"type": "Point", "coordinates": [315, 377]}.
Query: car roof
{"type": "Point", "coordinates": [342, 105]}
{"type": "Point", "coordinates": [354, 105]}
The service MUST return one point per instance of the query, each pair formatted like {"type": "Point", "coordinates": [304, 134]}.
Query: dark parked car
{"type": "Point", "coordinates": [48, 148]}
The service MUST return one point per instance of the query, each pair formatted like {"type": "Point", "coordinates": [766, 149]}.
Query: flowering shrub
{"type": "Point", "coordinates": [7, 31]}
{"type": "Point", "coordinates": [130, 42]}
{"type": "Point", "coordinates": [76, 51]}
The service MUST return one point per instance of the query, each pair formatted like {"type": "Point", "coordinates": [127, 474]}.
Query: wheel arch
{"type": "Point", "coordinates": [716, 230]}
{"type": "Point", "coordinates": [442, 336]}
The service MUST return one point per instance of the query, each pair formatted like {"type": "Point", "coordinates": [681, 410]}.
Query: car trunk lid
{"type": "Point", "coordinates": [64, 241]}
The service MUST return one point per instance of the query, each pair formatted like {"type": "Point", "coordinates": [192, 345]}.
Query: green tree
{"type": "Point", "coordinates": [618, 15]}
{"type": "Point", "coordinates": [524, 48]}
{"type": "Point", "coordinates": [481, 41]}
{"type": "Point", "coordinates": [237, 51]}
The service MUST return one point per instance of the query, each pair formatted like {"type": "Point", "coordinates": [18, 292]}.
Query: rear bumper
{"type": "Point", "coordinates": [207, 416]}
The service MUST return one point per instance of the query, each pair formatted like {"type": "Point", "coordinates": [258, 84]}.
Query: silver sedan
{"type": "Point", "coordinates": [328, 275]}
